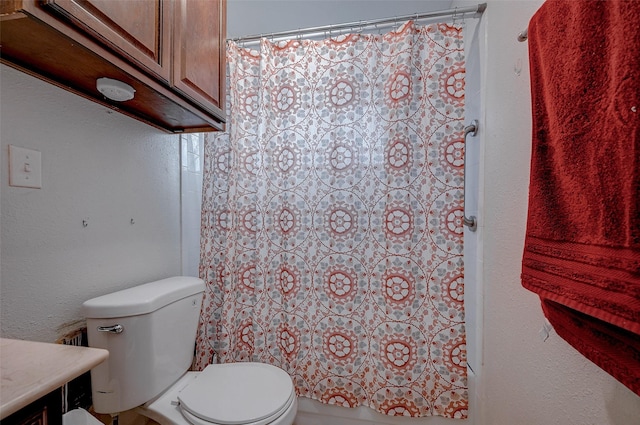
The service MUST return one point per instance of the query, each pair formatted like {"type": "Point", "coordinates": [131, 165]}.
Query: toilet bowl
{"type": "Point", "coordinates": [232, 393]}
{"type": "Point", "coordinates": [150, 332]}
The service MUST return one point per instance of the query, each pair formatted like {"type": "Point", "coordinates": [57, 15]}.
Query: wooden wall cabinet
{"type": "Point", "coordinates": [170, 51]}
{"type": "Point", "coordinates": [199, 59]}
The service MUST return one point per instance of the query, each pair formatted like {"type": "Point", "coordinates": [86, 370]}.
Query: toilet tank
{"type": "Point", "coordinates": [150, 332]}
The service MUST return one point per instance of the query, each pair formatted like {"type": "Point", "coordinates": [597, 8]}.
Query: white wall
{"type": "Point", "coordinates": [524, 381]}
{"type": "Point", "coordinates": [249, 17]}
{"type": "Point", "coordinates": [98, 166]}
{"type": "Point", "coordinates": [192, 162]}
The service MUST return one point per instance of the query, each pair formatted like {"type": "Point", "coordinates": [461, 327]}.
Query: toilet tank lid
{"type": "Point", "coordinates": [142, 299]}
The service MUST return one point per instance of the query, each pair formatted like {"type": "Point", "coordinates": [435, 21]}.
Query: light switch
{"type": "Point", "coordinates": [25, 167]}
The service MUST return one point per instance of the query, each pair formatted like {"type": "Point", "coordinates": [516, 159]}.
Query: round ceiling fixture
{"type": "Point", "coordinates": [115, 89]}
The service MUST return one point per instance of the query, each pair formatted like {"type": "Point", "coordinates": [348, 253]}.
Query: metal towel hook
{"type": "Point", "coordinates": [471, 222]}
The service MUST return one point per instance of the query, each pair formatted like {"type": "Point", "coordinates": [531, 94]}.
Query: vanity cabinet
{"type": "Point", "coordinates": [32, 375]}
{"type": "Point", "coordinates": [170, 51]}
{"type": "Point", "coordinates": [44, 411]}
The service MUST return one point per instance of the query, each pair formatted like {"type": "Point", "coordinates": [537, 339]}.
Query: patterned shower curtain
{"type": "Point", "coordinates": [332, 219]}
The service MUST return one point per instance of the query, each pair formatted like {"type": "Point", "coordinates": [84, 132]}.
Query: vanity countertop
{"type": "Point", "coordinates": [30, 370]}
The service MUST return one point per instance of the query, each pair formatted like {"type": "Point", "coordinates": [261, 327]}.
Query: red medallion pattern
{"type": "Point", "coordinates": [332, 230]}
{"type": "Point", "coordinates": [338, 346]}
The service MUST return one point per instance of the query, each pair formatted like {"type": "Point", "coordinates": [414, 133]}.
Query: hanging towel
{"type": "Point", "coordinates": [582, 246]}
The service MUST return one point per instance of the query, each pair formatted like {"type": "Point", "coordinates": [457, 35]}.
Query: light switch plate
{"type": "Point", "coordinates": [25, 167]}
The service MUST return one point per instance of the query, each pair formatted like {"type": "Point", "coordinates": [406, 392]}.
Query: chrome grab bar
{"type": "Point", "coordinates": [115, 329]}
{"type": "Point", "coordinates": [470, 222]}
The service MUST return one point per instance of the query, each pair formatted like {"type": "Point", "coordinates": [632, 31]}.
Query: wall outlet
{"type": "Point", "coordinates": [25, 167]}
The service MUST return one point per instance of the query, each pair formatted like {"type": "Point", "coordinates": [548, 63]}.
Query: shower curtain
{"type": "Point", "coordinates": [332, 214]}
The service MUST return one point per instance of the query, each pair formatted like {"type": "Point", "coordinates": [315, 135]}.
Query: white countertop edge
{"type": "Point", "coordinates": [30, 370]}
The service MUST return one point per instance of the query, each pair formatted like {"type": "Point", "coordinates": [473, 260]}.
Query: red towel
{"type": "Point", "coordinates": [582, 247]}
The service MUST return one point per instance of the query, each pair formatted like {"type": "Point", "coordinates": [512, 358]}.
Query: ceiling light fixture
{"type": "Point", "coordinates": [115, 89]}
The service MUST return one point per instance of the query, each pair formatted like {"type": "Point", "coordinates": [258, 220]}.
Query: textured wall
{"type": "Point", "coordinates": [98, 166]}
{"type": "Point", "coordinates": [524, 380]}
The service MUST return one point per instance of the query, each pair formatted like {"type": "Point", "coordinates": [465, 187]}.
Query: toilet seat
{"type": "Point", "coordinates": [166, 408]}
{"type": "Point", "coordinates": [192, 419]}
{"type": "Point", "coordinates": [237, 393]}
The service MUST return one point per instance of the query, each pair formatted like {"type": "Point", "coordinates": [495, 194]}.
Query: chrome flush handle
{"type": "Point", "coordinates": [115, 329]}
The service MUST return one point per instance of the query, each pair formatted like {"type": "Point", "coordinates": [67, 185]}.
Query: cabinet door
{"type": "Point", "coordinates": [138, 30]}
{"type": "Point", "coordinates": [44, 411]}
{"type": "Point", "coordinates": [199, 51]}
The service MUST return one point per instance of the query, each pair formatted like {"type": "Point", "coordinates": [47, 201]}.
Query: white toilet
{"type": "Point", "coordinates": [150, 332]}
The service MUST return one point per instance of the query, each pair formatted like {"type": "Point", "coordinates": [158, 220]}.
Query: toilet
{"type": "Point", "coordinates": [150, 332]}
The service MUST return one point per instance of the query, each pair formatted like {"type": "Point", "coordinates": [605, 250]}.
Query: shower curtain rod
{"type": "Point", "coordinates": [458, 12]}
